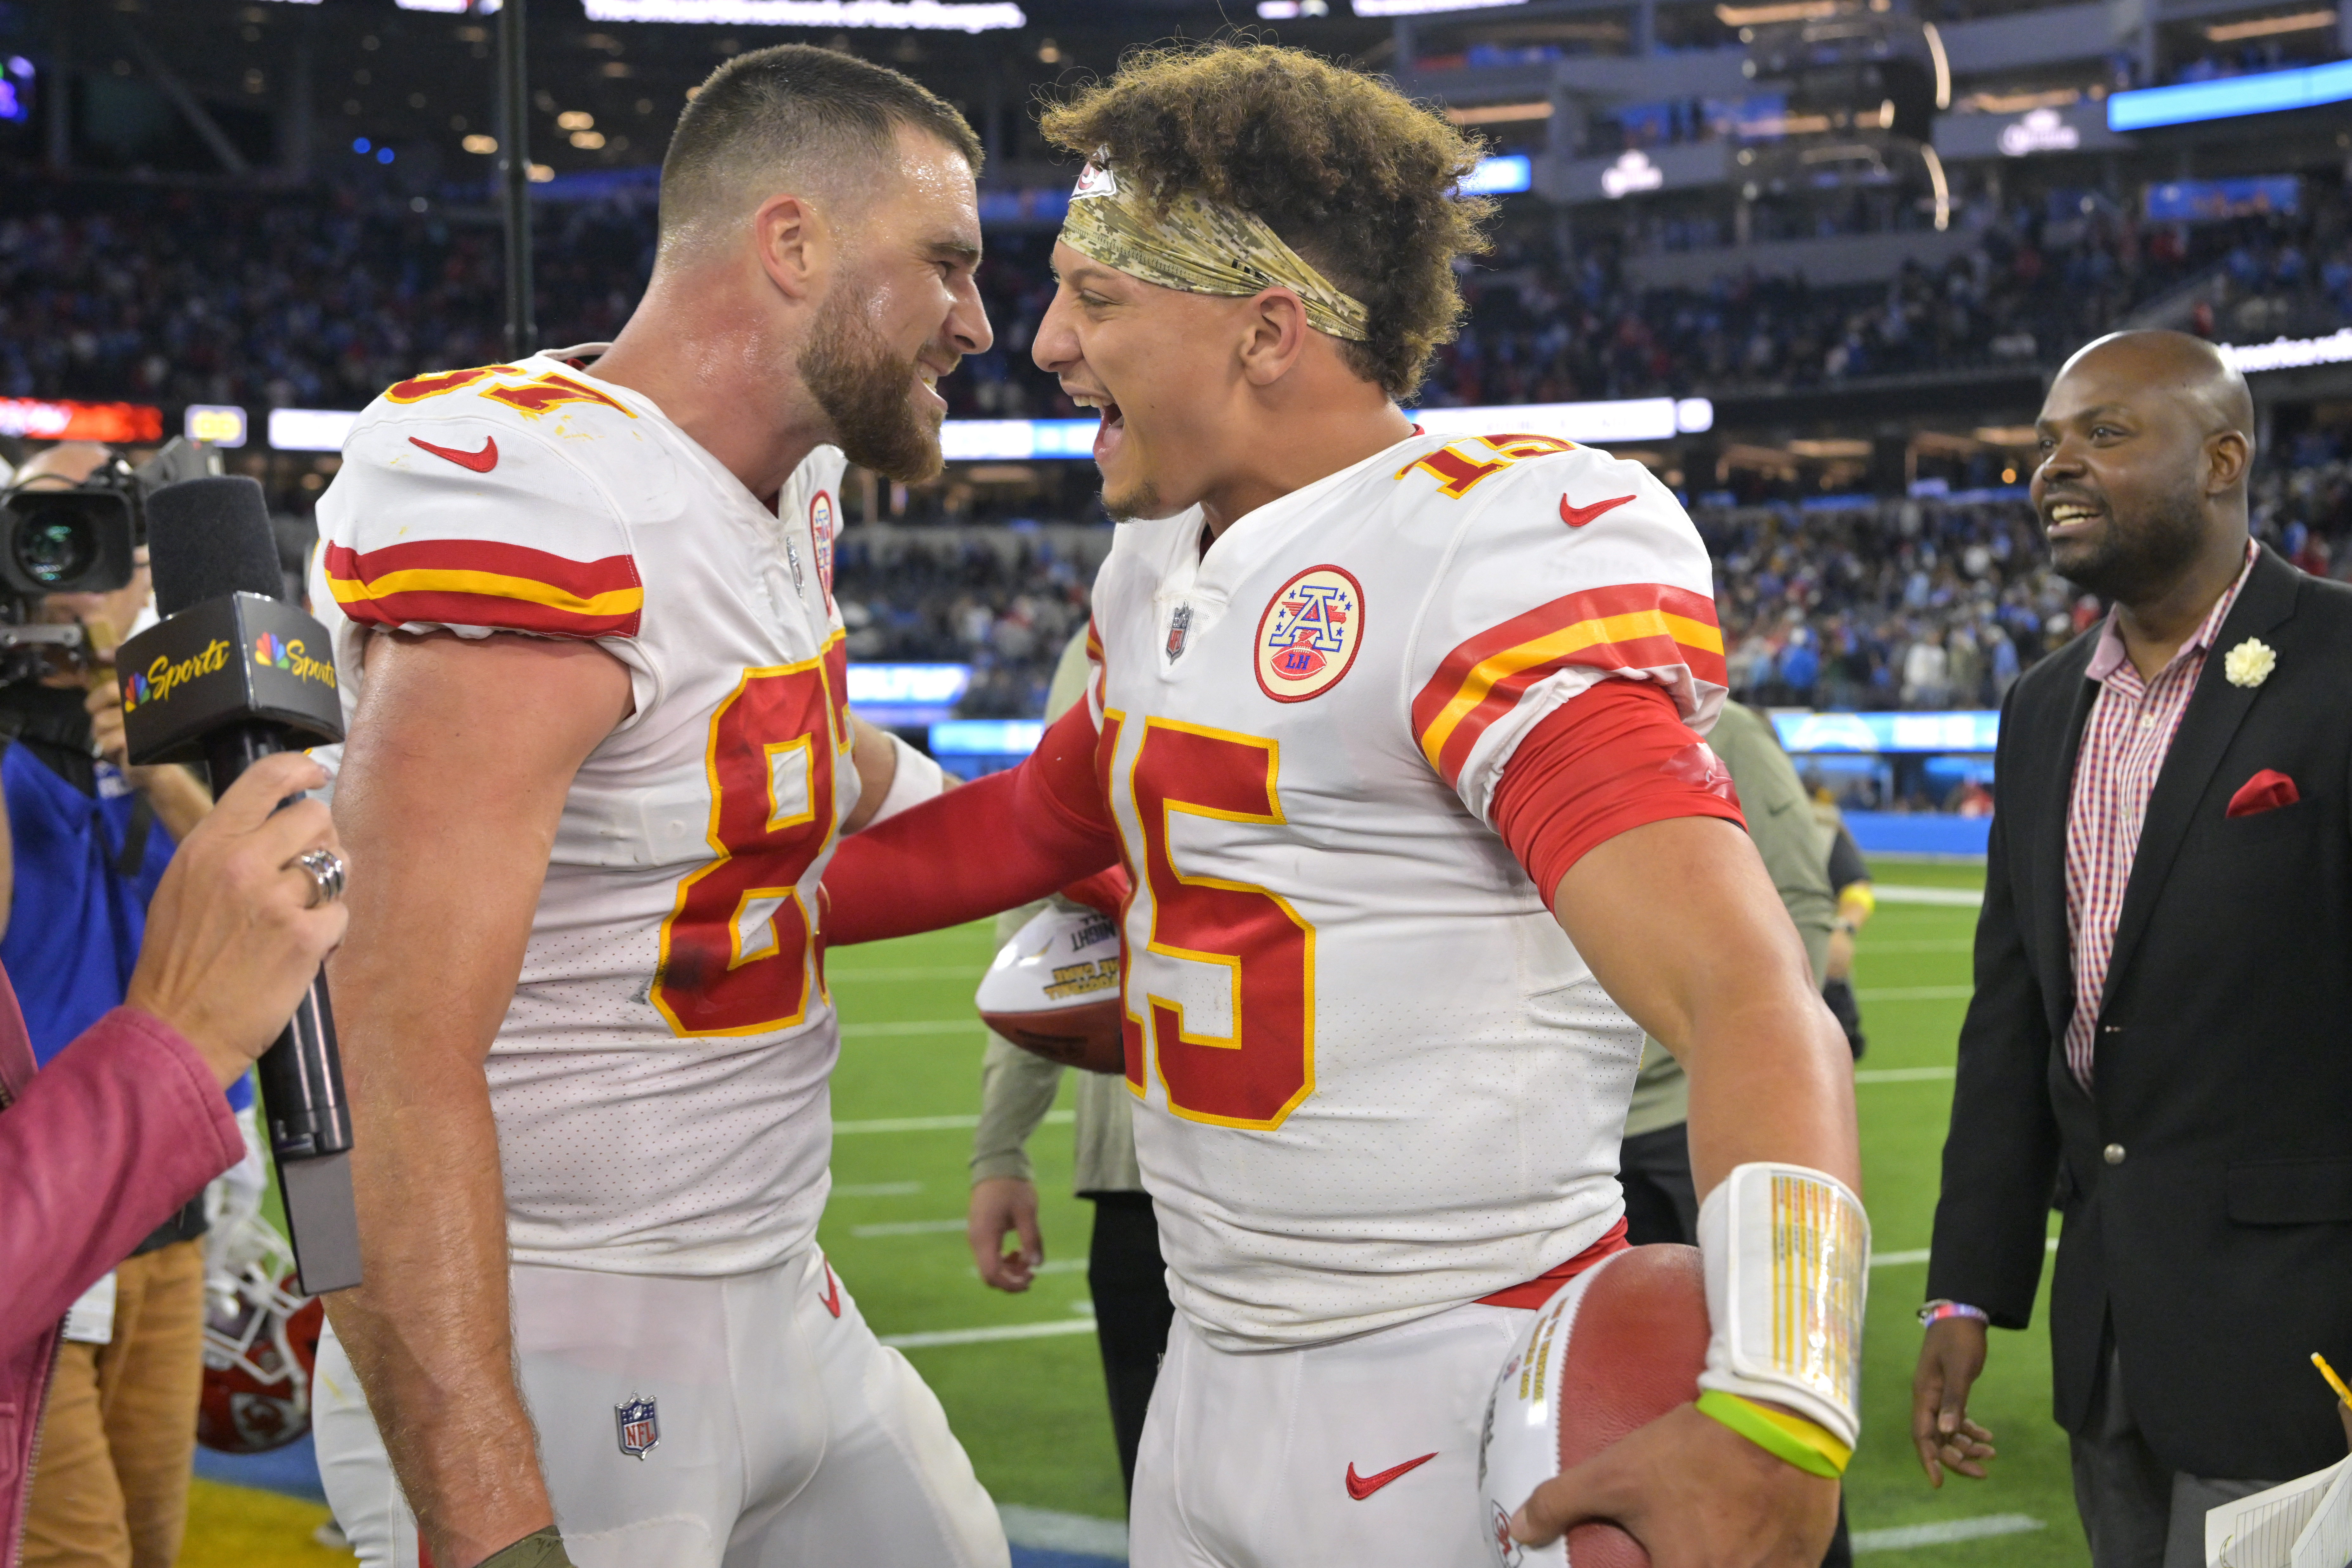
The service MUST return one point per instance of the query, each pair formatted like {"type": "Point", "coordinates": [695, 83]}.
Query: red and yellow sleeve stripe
{"type": "Point", "coordinates": [480, 582]}
{"type": "Point", "coordinates": [1632, 625]}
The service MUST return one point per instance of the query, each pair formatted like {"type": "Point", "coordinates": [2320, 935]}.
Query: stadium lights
{"type": "Point", "coordinates": [1504, 176]}
{"type": "Point", "coordinates": [1291, 10]}
{"type": "Point", "coordinates": [901, 16]}
{"type": "Point", "coordinates": [2268, 27]}
{"type": "Point", "coordinates": [1631, 172]}
{"type": "Point", "coordinates": [446, 8]}
{"type": "Point", "coordinates": [2266, 93]}
{"type": "Point", "coordinates": [220, 425]}
{"type": "Point", "coordinates": [1421, 7]}
{"type": "Point", "coordinates": [1501, 114]}
{"type": "Point", "coordinates": [1975, 729]}
{"type": "Point", "coordinates": [62, 419]}
{"type": "Point", "coordinates": [1031, 440]}
{"type": "Point", "coordinates": [2290, 353]}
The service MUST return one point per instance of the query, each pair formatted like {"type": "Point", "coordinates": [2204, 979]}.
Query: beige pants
{"type": "Point", "coordinates": [119, 1434]}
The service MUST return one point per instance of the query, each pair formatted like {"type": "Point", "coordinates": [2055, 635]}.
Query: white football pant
{"type": "Point", "coordinates": [784, 1432]}
{"type": "Point", "coordinates": [1363, 1452]}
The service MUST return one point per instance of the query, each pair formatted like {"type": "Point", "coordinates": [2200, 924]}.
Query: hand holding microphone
{"type": "Point", "coordinates": [236, 930]}
{"type": "Point", "coordinates": [234, 678]}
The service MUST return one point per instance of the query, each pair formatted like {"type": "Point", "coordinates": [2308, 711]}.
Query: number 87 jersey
{"type": "Point", "coordinates": [1374, 1078]}
{"type": "Point", "coordinates": [660, 1077]}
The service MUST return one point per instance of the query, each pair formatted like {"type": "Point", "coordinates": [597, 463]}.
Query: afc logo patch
{"type": "Point", "coordinates": [1310, 633]}
{"type": "Point", "coordinates": [821, 525]}
{"type": "Point", "coordinates": [640, 1427]}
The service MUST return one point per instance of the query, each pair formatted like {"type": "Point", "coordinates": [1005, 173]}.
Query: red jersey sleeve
{"type": "Point", "coordinates": [1615, 757]}
{"type": "Point", "coordinates": [995, 843]}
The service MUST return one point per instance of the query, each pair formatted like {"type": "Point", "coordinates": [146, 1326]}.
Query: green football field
{"type": "Point", "coordinates": [1027, 1398]}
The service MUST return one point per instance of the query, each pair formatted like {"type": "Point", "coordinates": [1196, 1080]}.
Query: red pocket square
{"type": "Point", "coordinates": [2266, 791]}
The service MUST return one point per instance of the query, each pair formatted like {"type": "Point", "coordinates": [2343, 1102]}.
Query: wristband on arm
{"type": "Point", "coordinates": [1935, 1311]}
{"type": "Point", "coordinates": [1787, 1253]}
{"type": "Point", "coordinates": [539, 1549]}
{"type": "Point", "coordinates": [916, 779]}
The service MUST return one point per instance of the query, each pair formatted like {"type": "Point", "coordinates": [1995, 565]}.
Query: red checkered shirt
{"type": "Point", "coordinates": [2125, 742]}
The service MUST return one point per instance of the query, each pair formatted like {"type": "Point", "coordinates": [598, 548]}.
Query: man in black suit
{"type": "Point", "coordinates": [2161, 1032]}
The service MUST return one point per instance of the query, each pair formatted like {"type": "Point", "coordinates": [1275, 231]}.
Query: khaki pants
{"type": "Point", "coordinates": [118, 1436]}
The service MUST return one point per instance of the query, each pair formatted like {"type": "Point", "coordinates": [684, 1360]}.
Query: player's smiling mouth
{"type": "Point", "coordinates": [1114, 421]}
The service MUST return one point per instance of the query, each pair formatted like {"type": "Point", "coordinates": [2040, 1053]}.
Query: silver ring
{"type": "Point", "coordinates": [325, 869]}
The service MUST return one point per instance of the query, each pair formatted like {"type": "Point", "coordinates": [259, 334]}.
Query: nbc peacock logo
{"type": "Point", "coordinates": [135, 691]}
{"type": "Point", "coordinates": [274, 652]}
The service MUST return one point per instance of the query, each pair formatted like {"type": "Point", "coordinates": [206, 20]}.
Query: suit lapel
{"type": "Point", "coordinates": [2216, 709]}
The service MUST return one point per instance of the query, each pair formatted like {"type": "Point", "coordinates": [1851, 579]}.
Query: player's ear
{"type": "Point", "coordinates": [795, 246]}
{"type": "Point", "coordinates": [1274, 336]}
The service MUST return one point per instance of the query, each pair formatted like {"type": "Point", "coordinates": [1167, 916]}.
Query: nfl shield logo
{"type": "Point", "coordinates": [1180, 623]}
{"type": "Point", "coordinates": [640, 1428]}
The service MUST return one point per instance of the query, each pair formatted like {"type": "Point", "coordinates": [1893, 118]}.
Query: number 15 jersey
{"type": "Point", "coordinates": [659, 1080]}
{"type": "Point", "coordinates": [1374, 1078]}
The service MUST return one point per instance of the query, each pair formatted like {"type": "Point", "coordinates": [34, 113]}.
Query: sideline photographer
{"type": "Point", "coordinates": [88, 839]}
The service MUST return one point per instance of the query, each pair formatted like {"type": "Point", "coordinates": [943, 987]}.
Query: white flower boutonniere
{"type": "Point", "coordinates": [2250, 663]}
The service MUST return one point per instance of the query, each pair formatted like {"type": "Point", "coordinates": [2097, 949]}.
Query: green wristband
{"type": "Point", "coordinates": [539, 1549]}
{"type": "Point", "coordinates": [1790, 1437]}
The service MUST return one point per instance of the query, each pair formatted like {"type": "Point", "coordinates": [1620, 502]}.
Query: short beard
{"type": "Point", "coordinates": [1142, 501]}
{"type": "Point", "coordinates": [864, 389]}
{"type": "Point", "coordinates": [2136, 566]}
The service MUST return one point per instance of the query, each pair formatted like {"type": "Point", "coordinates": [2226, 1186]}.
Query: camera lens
{"type": "Point", "coordinates": [53, 549]}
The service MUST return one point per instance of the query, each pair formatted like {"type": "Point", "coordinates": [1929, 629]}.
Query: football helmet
{"type": "Point", "coordinates": [260, 1342]}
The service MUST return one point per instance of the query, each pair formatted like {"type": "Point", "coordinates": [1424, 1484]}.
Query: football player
{"type": "Point", "coordinates": [1398, 736]}
{"type": "Point", "coordinates": [599, 752]}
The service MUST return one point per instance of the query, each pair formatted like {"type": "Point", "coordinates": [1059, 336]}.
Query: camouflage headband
{"type": "Point", "coordinates": [1200, 247]}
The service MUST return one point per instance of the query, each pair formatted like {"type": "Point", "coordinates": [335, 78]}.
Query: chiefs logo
{"type": "Point", "coordinates": [1308, 634]}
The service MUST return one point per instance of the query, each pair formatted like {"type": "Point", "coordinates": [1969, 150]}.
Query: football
{"type": "Point", "coordinates": [1053, 989]}
{"type": "Point", "coordinates": [1621, 1344]}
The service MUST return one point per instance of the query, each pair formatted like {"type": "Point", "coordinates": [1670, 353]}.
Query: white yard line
{"type": "Point", "coordinates": [932, 1123]}
{"type": "Point", "coordinates": [1919, 1255]}
{"type": "Point", "coordinates": [1897, 893]}
{"type": "Point", "coordinates": [1914, 994]}
{"type": "Point", "coordinates": [875, 1189]}
{"type": "Point", "coordinates": [1944, 1532]}
{"type": "Point", "coordinates": [933, 972]}
{"type": "Point", "coordinates": [909, 1228]}
{"type": "Point", "coordinates": [913, 1027]}
{"type": "Point", "coordinates": [990, 1335]}
{"type": "Point", "coordinates": [1043, 1530]}
{"type": "Point", "coordinates": [1901, 1074]}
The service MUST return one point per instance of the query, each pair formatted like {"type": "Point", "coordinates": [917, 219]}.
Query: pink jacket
{"type": "Point", "coordinates": [124, 1126]}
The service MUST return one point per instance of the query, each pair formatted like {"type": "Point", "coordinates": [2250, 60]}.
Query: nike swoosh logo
{"type": "Point", "coordinates": [483, 461]}
{"type": "Point", "coordinates": [1578, 516]}
{"type": "Point", "coordinates": [831, 1299]}
{"type": "Point", "coordinates": [1361, 1486]}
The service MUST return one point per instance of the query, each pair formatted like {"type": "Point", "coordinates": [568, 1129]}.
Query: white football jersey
{"type": "Point", "coordinates": [659, 1081]}
{"type": "Point", "coordinates": [1376, 1080]}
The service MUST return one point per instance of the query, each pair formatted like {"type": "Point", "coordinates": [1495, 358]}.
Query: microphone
{"type": "Point", "coordinates": [230, 676]}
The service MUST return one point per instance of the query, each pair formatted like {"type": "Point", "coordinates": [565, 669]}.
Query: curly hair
{"type": "Point", "coordinates": [1351, 173]}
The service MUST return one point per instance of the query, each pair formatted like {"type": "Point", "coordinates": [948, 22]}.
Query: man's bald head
{"type": "Point", "coordinates": [2179, 365]}
{"type": "Point", "coordinates": [791, 119]}
{"type": "Point", "coordinates": [2146, 439]}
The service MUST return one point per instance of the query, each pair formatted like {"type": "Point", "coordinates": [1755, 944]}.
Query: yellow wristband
{"type": "Point", "coordinates": [1784, 1436]}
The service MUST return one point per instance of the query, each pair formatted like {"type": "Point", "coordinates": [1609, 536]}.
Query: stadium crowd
{"type": "Point", "coordinates": [1844, 603]}
{"type": "Point", "coordinates": [320, 298]}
